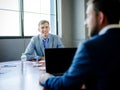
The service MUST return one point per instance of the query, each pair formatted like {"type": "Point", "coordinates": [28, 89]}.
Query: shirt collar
{"type": "Point", "coordinates": [43, 38]}
{"type": "Point", "coordinates": [105, 29]}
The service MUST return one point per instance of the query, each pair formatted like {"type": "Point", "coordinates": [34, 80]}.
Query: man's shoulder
{"type": "Point", "coordinates": [35, 37]}
{"type": "Point", "coordinates": [53, 35]}
{"type": "Point", "coordinates": [93, 40]}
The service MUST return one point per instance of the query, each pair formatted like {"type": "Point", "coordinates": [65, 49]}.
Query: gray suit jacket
{"type": "Point", "coordinates": [36, 48]}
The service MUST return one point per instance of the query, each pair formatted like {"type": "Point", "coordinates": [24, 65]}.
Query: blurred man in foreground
{"type": "Point", "coordinates": [96, 63]}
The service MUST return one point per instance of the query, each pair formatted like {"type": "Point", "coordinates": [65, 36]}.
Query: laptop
{"type": "Point", "coordinates": [58, 60]}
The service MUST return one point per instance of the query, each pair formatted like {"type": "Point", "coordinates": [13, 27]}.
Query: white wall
{"type": "Point", "coordinates": [73, 17]}
{"type": "Point", "coordinates": [78, 22]}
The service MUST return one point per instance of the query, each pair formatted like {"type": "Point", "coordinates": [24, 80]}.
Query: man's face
{"type": "Point", "coordinates": [91, 20]}
{"type": "Point", "coordinates": [44, 30]}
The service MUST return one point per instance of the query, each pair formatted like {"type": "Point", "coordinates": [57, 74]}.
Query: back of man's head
{"type": "Point", "coordinates": [110, 8]}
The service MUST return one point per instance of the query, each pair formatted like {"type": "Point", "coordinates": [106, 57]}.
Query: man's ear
{"type": "Point", "coordinates": [101, 18]}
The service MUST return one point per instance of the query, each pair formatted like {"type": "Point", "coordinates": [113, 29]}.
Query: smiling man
{"type": "Point", "coordinates": [43, 40]}
{"type": "Point", "coordinates": [96, 63]}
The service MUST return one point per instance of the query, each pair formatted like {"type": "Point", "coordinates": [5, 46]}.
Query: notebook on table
{"type": "Point", "coordinates": [58, 60]}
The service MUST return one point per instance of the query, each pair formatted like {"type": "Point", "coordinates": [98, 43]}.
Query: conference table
{"type": "Point", "coordinates": [17, 76]}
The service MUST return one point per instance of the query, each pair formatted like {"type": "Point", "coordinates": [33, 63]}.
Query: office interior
{"type": "Point", "coordinates": [73, 31]}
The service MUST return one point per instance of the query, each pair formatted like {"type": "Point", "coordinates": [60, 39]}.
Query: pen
{"type": "Point", "coordinates": [8, 66]}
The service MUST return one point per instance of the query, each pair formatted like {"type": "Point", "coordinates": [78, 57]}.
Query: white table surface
{"type": "Point", "coordinates": [12, 77]}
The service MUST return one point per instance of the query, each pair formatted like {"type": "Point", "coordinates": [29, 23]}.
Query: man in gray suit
{"type": "Point", "coordinates": [41, 41]}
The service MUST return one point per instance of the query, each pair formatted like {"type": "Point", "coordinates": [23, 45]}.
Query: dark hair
{"type": "Point", "coordinates": [110, 8]}
{"type": "Point", "coordinates": [42, 22]}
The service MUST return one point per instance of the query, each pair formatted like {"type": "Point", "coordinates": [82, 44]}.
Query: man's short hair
{"type": "Point", "coordinates": [42, 22]}
{"type": "Point", "coordinates": [110, 8]}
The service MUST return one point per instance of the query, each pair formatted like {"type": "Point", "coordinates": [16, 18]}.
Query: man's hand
{"type": "Point", "coordinates": [42, 58]}
{"type": "Point", "coordinates": [44, 77]}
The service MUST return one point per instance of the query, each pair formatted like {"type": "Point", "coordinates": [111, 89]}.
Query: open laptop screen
{"type": "Point", "coordinates": [58, 60]}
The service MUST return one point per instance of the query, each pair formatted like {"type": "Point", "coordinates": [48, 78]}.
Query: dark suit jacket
{"type": "Point", "coordinates": [96, 64]}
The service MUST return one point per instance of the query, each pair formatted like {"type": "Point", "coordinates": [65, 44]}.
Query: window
{"type": "Point", "coordinates": [20, 18]}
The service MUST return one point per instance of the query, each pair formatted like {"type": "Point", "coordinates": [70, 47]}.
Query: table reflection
{"type": "Point", "coordinates": [13, 77]}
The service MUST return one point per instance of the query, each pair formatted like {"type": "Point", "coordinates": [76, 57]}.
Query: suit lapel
{"type": "Point", "coordinates": [41, 44]}
{"type": "Point", "coordinates": [51, 41]}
